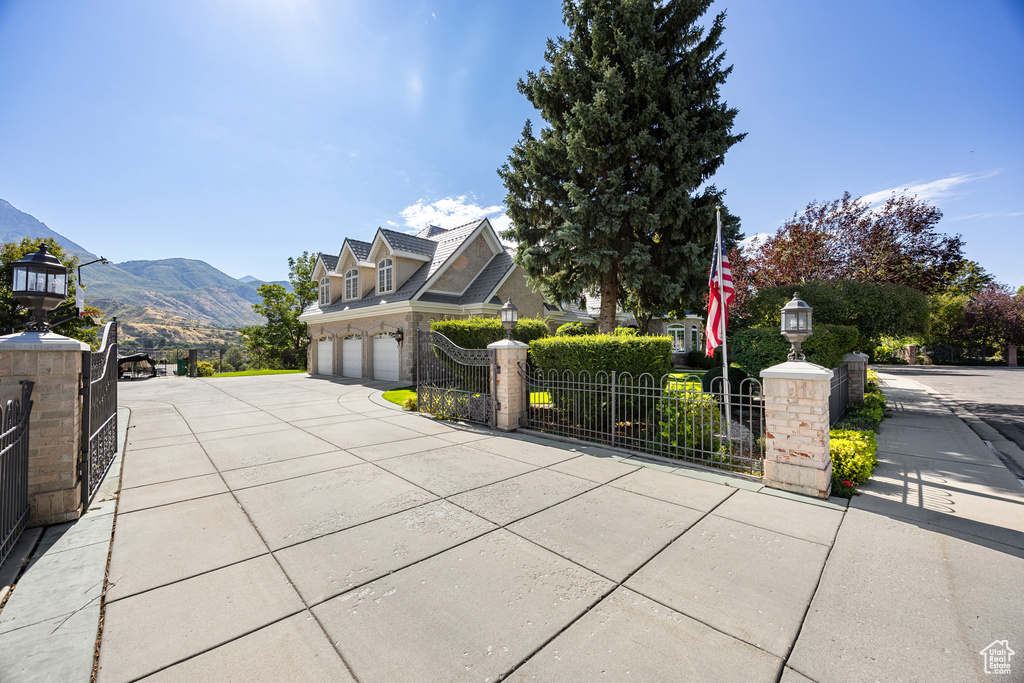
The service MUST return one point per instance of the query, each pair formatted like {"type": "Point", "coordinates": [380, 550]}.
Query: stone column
{"type": "Point", "coordinates": [796, 428]}
{"type": "Point", "coordinates": [857, 369]}
{"type": "Point", "coordinates": [911, 352]}
{"type": "Point", "coordinates": [54, 364]}
{"type": "Point", "coordinates": [510, 388]}
{"type": "Point", "coordinates": [1011, 356]}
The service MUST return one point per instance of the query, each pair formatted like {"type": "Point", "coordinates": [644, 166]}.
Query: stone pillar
{"type": "Point", "coordinates": [193, 362]}
{"type": "Point", "coordinates": [54, 364]}
{"type": "Point", "coordinates": [1011, 356]}
{"type": "Point", "coordinates": [510, 388]}
{"type": "Point", "coordinates": [796, 428]}
{"type": "Point", "coordinates": [857, 369]}
{"type": "Point", "coordinates": [911, 352]}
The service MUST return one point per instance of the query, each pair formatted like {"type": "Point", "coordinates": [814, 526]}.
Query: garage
{"type": "Point", "coordinates": [325, 357]}
{"type": "Point", "coordinates": [352, 356]}
{"type": "Point", "coordinates": [385, 356]}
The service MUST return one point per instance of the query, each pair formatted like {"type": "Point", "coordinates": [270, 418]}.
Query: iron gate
{"type": "Point", "coordinates": [14, 506]}
{"type": "Point", "coordinates": [452, 382]}
{"type": "Point", "coordinates": [99, 412]}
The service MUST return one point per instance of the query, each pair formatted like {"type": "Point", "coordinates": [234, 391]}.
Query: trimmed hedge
{"type": "Point", "coordinates": [603, 352]}
{"type": "Point", "coordinates": [853, 459]}
{"type": "Point", "coordinates": [477, 333]}
{"type": "Point", "coordinates": [757, 348]}
{"type": "Point", "coordinates": [574, 330]}
{"type": "Point", "coordinates": [874, 309]}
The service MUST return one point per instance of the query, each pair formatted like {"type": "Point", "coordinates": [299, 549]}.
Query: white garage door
{"type": "Point", "coordinates": [385, 356]}
{"type": "Point", "coordinates": [352, 356]}
{"type": "Point", "coordinates": [324, 357]}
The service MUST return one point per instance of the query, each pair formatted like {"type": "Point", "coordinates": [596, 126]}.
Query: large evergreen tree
{"type": "Point", "coordinates": [612, 195]}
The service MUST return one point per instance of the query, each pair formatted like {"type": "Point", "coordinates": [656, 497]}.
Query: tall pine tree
{"type": "Point", "coordinates": [612, 195]}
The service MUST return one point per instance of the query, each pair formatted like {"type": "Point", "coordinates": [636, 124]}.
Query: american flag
{"type": "Point", "coordinates": [718, 313]}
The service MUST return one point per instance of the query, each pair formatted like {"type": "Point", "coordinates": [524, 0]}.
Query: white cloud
{"type": "Point", "coordinates": [989, 214]}
{"type": "Point", "coordinates": [452, 212]}
{"type": "Point", "coordinates": [751, 242]}
{"type": "Point", "coordinates": [933, 191]}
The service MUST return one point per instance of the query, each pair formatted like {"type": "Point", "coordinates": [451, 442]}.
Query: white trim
{"type": "Point", "coordinates": [492, 241]}
{"type": "Point", "coordinates": [411, 255]}
{"type": "Point", "coordinates": [386, 272]}
{"type": "Point", "coordinates": [345, 278]}
{"type": "Point", "coordinates": [317, 316]}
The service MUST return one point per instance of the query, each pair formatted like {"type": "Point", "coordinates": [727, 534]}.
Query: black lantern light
{"type": "Point", "coordinates": [40, 283]}
{"type": "Point", "coordinates": [399, 335]}
{"type": "Point", "coordinates": [796, 325]}
{"type": "Point", "coordinates": [509, 317]}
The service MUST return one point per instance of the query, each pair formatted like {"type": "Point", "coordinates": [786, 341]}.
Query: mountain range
{"type": "Point", "coordinates": [173, 292]}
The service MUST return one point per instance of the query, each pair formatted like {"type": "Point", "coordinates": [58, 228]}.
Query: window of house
{"type": "Point", "coordinates": [325, 291]}
{"type": "Point", "coordinates": [385, 278]}
{"type": "Point", "coordinates": [678, 334]}
{"type": "Point", "coordinates": [352, 284]}
{"type": "Point", "coordinates": [695, 338]}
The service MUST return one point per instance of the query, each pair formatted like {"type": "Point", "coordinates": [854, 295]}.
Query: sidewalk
{"type": "Point", "coordinates": [290, 528]}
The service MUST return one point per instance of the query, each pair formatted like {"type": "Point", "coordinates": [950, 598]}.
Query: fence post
{"type": "Point", "coordinates": [797, 456]}
{"type": "Point", "coordinates": [53, 363]}
{"type": "Point", "coordinates": [614, 417]}
{"type": "Point", "coordinates": [857, 373]}
{"type": "Point", "coordinates": [509, 387]}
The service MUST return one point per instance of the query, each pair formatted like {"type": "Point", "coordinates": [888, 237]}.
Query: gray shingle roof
{"type": "Point", "coordinates": [404, 293]}
{"type": "Point", "coordinates": [359, 248]}
{"type": "Point", "coordinates": [430, 232]}
{"type": "Point", "coordinates": [488, 278]}
{"type": "Point", "coordinates": [330, 262]}
{"type": "Point", "coordinates": [448, 242]}
{"type": "Point", "coordinates": [404, 242]}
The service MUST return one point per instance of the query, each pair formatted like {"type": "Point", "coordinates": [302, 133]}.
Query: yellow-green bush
{"type": "Point", "coordinates": [853, 459]}
{"type": "Point", "coordinates": [204, 369]}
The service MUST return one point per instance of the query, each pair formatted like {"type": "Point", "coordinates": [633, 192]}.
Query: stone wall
{"type": "Point", "coordinates": [464, 269]}
{"type": "Point", "coordinates": [529, 302]}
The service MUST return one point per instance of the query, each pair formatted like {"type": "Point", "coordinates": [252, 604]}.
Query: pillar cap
{"type": "Point", "coordinates": [856, 357]}
{"type": "Point", "coordinates": [40, 341]}
{"type": "Point", "coordinates": [508, 344]}
{"type": "Point", "coordinates": [797, 369]}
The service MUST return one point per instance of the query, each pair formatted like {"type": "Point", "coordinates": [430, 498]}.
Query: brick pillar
{"type": "Point", "coordinates": [54, 364]}
{"type": "Point", "coordinates": [911, 352]}
{"type": "Point", "coordinates": [857, 372]}
{"type": "Point", "coordinates": [510, 387]}
{"type": "Point", "coordinates": [796, 428]}
{"type": "Point", "coordinates": [1011, 356]}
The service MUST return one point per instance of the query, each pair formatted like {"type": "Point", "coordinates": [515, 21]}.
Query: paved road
{"type": "Point", "coordinates": [996, 395]}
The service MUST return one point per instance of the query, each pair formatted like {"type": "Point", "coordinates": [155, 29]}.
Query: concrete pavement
{"type": "Point", "coordinates": [291, 528]}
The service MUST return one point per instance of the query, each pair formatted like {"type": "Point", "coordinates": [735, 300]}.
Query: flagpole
{"type": "Point", "coordinates": [720, 247]}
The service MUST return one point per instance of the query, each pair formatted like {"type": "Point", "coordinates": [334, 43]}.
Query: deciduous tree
{"type": "Point", "coordinates": [613, 194]}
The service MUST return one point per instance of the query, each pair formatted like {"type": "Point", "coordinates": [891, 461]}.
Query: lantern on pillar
{"type": "Point", "coordinates": [796, 325]}
{"type": "Point", "coordinates": [40, 283]}
{"type": "Point", "coordinates": [509, 317]}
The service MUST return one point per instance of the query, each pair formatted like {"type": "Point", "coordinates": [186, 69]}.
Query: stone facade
{"type": "Point", "coordinates": [55, 425]}
{"type": "Point", "coordinates": [857, 375]}
{"type": "Point", "coordinates": [528, 301]}
{"type": "Point", "coordinates": [464, 269]}
{"type": "Point", "coordinates": [797, 428]}
{"type": "Point", "coordinates": [367, 328]}
{"type": "Point", "coordinates": [510, 388]}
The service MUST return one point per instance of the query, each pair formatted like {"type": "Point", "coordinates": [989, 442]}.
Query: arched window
{"type": "Point", "coordinates": [695, 338]}
{"type": "Point", "coordinates": [325, 291]}
{"type": "Point", "coordinates": [678, 334]}
{"type": "Point", "coordinates": [352, 284]}
{"type": "Point", "coordinates": [385, 278]}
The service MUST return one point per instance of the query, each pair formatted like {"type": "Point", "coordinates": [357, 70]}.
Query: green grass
{"type": "Point", "coordinates": [685, 381]}
{"type": "Point", "coordinates": [253, 373]}
{"type": "Point", "coordinates": [398, 396]}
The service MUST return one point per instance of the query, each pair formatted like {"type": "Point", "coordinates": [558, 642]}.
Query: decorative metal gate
{"type": "Point", "coordinates": [452, 382]}
{"type": "Point", "coordinates": [99, 412]}
{"type": "Point", "coordinates": [14, 507]}
{"type": "Point", "coordinates": [839, 395]}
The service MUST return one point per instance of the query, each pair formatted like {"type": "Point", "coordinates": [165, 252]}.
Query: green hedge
{"type": "Point", "coordinates": [757, 348]}
{"type": "Point", "coordinates": [853, 459]}
{"type": "Point", "coordinates": [602, 352]}
{"type": "Point", "coordinates": [874, 309]}
{"type": "Point", "coordinates": [477, 333]}
{"type": "Point", "coordinates": [574, 330]}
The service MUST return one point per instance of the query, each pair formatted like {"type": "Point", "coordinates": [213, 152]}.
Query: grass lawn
{"type": "Point", "coordinates": [398, 396]}
{"type": "Point", "coordinates": [253, 373]}
{"type": "Point", "coordinates": [685, 381]}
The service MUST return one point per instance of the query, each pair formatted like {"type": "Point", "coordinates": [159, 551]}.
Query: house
{"type": "Point", "coordinates": [374, 296]}
{"type": "Point", "coordinates": [687, 332]}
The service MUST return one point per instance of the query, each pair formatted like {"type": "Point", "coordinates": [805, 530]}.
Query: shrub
{"type": "Point", "coordinates": [757, 348]}
{"type": "Point", "coordinates": [226, 367]}
{"type": "Point", "coordinates": [204, 369]}
{"type": "Point", "coordinates": [874, 309]}
{"type": "Point", "coordinates": [574, 330]}
{"type": "Point", "coordinates": [736, 377]}
{"type": "Point", "coordinates": [409, 404]}
{"type": "Point", "coordinates": [625, 332]}
{"type": "Point", "coordinates": [603, 352]}
{"type": "Point", "coordinates": [699, 360]}
{"type": "Point", "coordinates": [853, 459]}
{"type": "Point", "coordinates": [477, 333]}
{"type": "Point", "coordinates": [689, 425]}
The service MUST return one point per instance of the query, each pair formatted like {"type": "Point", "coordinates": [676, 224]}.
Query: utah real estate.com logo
{"type": "Point", "coordinates": [997, 657]}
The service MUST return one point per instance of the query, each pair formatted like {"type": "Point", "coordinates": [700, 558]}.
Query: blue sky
{"type": "Point", "coordinates": [241, 132]}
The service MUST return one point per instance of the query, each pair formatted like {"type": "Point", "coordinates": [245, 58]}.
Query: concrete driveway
{"type": "Point", "coordinates": [290, 528]}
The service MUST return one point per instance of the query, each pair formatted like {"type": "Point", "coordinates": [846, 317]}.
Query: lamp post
{"type": "Point", "coordinates": [509, 317]}
{"type": "Point", "coordinates": [796, 325]}
{"type": "Point", "coordinates": [40, 283]}
{"type": "Point", "coordinates": [79, 299]}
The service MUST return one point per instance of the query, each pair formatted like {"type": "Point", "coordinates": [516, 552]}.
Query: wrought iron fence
{"type": "Point", "coordinates": [14, 507]}
{"type": "Point", "coordinates": [672, 416]}
{"type": "Point", "coordinates": [99, 412]}
{"type": "Point", "coordinates": [839, 395]}
{"type": "Point", "coordinates": [453, 382]}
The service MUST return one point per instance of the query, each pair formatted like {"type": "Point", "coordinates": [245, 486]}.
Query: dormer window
{"type": "Point", "coordinates": [385, 276]}
{"type": "Point", "coordinates": [352, 284]}
{"type": "Point", "coordinates": [325, 291]}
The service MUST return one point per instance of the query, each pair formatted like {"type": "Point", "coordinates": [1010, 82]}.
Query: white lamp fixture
{"type": "Point", "coordinates": [509, 317]}
{"type": "Point", "coordinates": [796, 325]}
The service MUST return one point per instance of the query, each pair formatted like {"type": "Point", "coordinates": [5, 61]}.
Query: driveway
{"type": "Point", "coordinates": [291, 528]}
